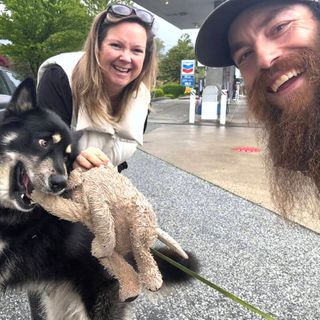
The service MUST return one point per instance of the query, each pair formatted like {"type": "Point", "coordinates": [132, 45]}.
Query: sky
{"type": "Point", "coordinates": [169, 33]}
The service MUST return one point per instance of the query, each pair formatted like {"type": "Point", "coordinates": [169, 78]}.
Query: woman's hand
{"type": "Point", "coordinates": [91, 157]}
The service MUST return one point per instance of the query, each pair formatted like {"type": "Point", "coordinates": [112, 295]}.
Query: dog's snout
{"type": "Point", "coordinates": [57, 183]}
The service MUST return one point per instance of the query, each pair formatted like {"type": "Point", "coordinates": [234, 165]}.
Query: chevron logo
{"type": "Point", "coordinates": [187, 67]}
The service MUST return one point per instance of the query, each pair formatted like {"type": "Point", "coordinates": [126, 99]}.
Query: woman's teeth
{"type": "Point", "coordinates": [126, 70]}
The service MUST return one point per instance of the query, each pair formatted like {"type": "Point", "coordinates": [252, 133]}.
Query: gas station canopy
{"type": "Point", "coordinates": [184, 14]}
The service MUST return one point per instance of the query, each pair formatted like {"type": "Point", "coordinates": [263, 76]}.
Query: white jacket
{"type": "Point", "coordinates": [119, 141]}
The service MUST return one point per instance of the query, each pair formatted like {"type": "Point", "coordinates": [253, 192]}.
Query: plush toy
{"type": "Point", "coordinates": [121, 219]}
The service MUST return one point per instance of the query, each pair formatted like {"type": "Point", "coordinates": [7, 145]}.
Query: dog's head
{"type": "Point", "coordinates": [35, 150]}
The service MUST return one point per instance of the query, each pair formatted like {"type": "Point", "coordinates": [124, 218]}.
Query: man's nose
{"type": "Point", "coordinates": [267, 54]}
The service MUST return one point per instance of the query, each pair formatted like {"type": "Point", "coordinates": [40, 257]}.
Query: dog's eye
{"type": "Point", "coordinates": [43, 143]}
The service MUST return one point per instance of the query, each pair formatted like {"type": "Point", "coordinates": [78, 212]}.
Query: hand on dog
{"type": "Point", "coordinates": [91, 157]}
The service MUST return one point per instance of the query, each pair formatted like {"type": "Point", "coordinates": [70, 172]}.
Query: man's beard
{"type": "Point", "coordinates": [292, 129]}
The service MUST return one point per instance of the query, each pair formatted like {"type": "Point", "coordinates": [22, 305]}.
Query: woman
{"type": "Point", "coordinates": [105, 90]}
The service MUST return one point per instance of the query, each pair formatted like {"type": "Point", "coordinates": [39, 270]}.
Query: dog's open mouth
{"type": "Point", "coordinates": [22, 188]}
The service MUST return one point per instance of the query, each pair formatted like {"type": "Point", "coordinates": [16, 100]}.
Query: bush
{"type": "Point", "coordinates": [157, 92]}
{"type": "Point", "coordinates": [174, 89]}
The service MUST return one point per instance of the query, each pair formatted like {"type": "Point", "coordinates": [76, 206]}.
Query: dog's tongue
{"type": "Point", "coordinates": [27, 185]}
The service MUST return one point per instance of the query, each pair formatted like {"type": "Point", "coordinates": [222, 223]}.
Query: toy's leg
{"type": "Point", "coordinates": [102, 227]}
{"type": "Point", "coordinates": [62, 208]}
{"type": "Point", "coordinates": [117, 266]}
{"type": "Point", "coordinates": [142, 239]}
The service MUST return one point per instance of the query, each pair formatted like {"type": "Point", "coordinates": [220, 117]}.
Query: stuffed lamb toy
{"type": "Point", "coordinates": [122, 221]}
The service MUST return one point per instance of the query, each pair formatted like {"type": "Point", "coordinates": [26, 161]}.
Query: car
{"type": "Point", "coordinates": [8, 83]}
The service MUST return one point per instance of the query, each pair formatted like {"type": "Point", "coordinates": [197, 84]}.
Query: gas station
{"type": "Point", "coordinates": [190, 14]}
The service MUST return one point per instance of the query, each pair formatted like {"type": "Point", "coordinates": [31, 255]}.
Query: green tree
{"type": "Point", "coordinates": [38, 29]}
{"type": "Point", "coordinates": [169, 66]}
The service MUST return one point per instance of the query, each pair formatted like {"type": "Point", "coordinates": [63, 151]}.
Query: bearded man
{"type": "Point", "coordinates": [276, 46]}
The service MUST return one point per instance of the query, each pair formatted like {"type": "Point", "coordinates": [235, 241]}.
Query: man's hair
{"type": "Point", "coordinates": [87, 78]}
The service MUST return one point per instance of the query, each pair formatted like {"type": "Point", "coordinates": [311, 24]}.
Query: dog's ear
{"type": "Point", "coordinates": [76, 135]}
{"type": "Point", "coordinates": [24, 98]}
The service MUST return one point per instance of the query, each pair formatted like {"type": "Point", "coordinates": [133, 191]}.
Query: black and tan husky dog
{"type": "Point", "coordinates": [38, 252]}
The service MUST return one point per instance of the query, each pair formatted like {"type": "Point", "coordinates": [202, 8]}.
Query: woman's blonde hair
{"type": "Point", "coordinates": [87, 79]}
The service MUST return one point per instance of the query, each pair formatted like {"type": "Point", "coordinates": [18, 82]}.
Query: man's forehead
{"type": "Point", "coordinates": [265, 10]}
{"type": "Point", "coordinates": [263, 13]}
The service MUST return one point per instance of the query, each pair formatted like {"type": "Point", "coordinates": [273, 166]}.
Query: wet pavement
{"type": "Point", "coordinates": [215, 201]}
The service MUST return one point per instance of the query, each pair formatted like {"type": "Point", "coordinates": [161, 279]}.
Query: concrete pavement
{"type": "Point", "coordinates": [242, 247]}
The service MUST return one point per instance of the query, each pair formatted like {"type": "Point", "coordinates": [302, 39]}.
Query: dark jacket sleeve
{"type": "Point", "coordinates": [54, 92]}
{"type": "Point", "coordinates": [124, 165]}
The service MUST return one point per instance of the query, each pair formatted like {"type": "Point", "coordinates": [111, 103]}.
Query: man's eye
{"type": "Point", "coordinates": [278, 29]}
{"type": "Point", "coordinates": [43, 143]}
{"type": "Point", "coordinates": [243, 57]}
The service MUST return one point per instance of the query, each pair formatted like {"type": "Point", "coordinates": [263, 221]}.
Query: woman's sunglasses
{"type": "Point", "coordinates": [121, 10]}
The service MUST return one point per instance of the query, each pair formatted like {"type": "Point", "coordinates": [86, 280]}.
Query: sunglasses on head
{"type": "Point", "coordinates": [121, 10]}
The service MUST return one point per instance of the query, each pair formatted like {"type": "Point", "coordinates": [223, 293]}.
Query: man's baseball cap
{"type": "Point", "coordinates": [212, 47]}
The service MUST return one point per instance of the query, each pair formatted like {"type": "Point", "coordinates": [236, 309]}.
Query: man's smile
{"type": "Point", "coordinates": [284, 80]}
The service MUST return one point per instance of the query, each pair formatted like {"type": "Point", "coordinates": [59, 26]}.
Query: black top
{"type": "Point", "coordinates": [54, 92]}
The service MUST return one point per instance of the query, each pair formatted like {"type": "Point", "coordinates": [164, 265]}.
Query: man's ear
{"type": "Point", "coordinates": [24, 98]}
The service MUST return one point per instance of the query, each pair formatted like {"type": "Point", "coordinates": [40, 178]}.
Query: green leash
{"type": "Point", "coordinates": [214, 286]}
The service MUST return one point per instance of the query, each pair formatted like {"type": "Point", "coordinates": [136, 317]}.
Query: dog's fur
{"type": "Point", "coordinates": [39, 252]}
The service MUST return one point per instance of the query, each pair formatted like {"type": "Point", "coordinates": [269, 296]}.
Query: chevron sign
{"type": "Point", "coordinates": [187, 67]}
